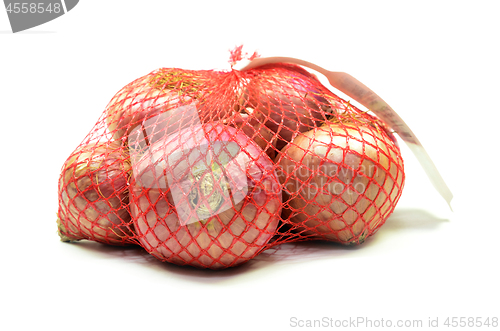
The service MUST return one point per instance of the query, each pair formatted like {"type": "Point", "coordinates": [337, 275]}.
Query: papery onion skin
{"type": "Point", "coordinates": [340, 181]}
{"type": "Point", "coordinates": [185, 233]}
{"type": "Point", "coordinates": [288, 99]}
{"type": "Point", "coordinates": [163, 97]}
{"type": "Point", "coordinates": [137, 101]}
{"type": "Point", "coordinates": [257, 131]}
{"type": "Point", "coordinates": [93, 195]}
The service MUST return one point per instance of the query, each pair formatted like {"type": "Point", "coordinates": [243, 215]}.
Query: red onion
{"type": "Point", "coordinates": [206, 197]}
{"type": "Point", "coordinates": [288, 99]}
{"type": "Point", "coordinates": [93, 195]}
{"type": "Point", "coordinates": [341, 181]}
{"type": "Point", "coordinates": [256, 131]}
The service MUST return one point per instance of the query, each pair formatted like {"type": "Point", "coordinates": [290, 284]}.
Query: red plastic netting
{"type": "Point", "coordinates": [208, 168]}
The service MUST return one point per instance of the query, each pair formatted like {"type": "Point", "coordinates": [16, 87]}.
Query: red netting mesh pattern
{"type": "Point", "coordinates": [93, 195]}
{"type": "Point", "coordinates": [208, 168]}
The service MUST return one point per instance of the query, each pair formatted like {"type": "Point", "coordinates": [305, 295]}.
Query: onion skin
{"type": "Point", "coordinates": [163, 97]}
{"type": "Point", "coordinates": [341, 181]}
{"type": "Point", "coordinates": [138, 101]}
{"type": "Point", "coordinates": [231, 230]}
{"type": "Point", "coordinates": [93, 195]}
{"type": "Point", "coordinates": [288, 99]}
{"type": "Point", "coordinates": [256, 131]}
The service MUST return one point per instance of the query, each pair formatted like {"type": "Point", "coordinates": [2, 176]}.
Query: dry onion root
{"type": "Point", "coordinates": [207, 197]}
{"type": "Point", "coordinates": [340, 181]}
{"type": "Point", "coordinates": [93, 195]}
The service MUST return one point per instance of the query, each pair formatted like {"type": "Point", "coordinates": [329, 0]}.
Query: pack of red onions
{"type": "Point", "coordinates": [210, 168]}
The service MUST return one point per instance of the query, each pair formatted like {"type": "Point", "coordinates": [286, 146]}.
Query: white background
{"type": "Point", "coordinates": [435, 62]}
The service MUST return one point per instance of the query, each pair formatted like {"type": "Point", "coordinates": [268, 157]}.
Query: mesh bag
{"type": "Point", "coordinates": [210, 168]}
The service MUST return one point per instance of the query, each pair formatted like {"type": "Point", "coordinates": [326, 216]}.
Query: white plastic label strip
{"type": "Point", "coordinates": [365, 96]}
